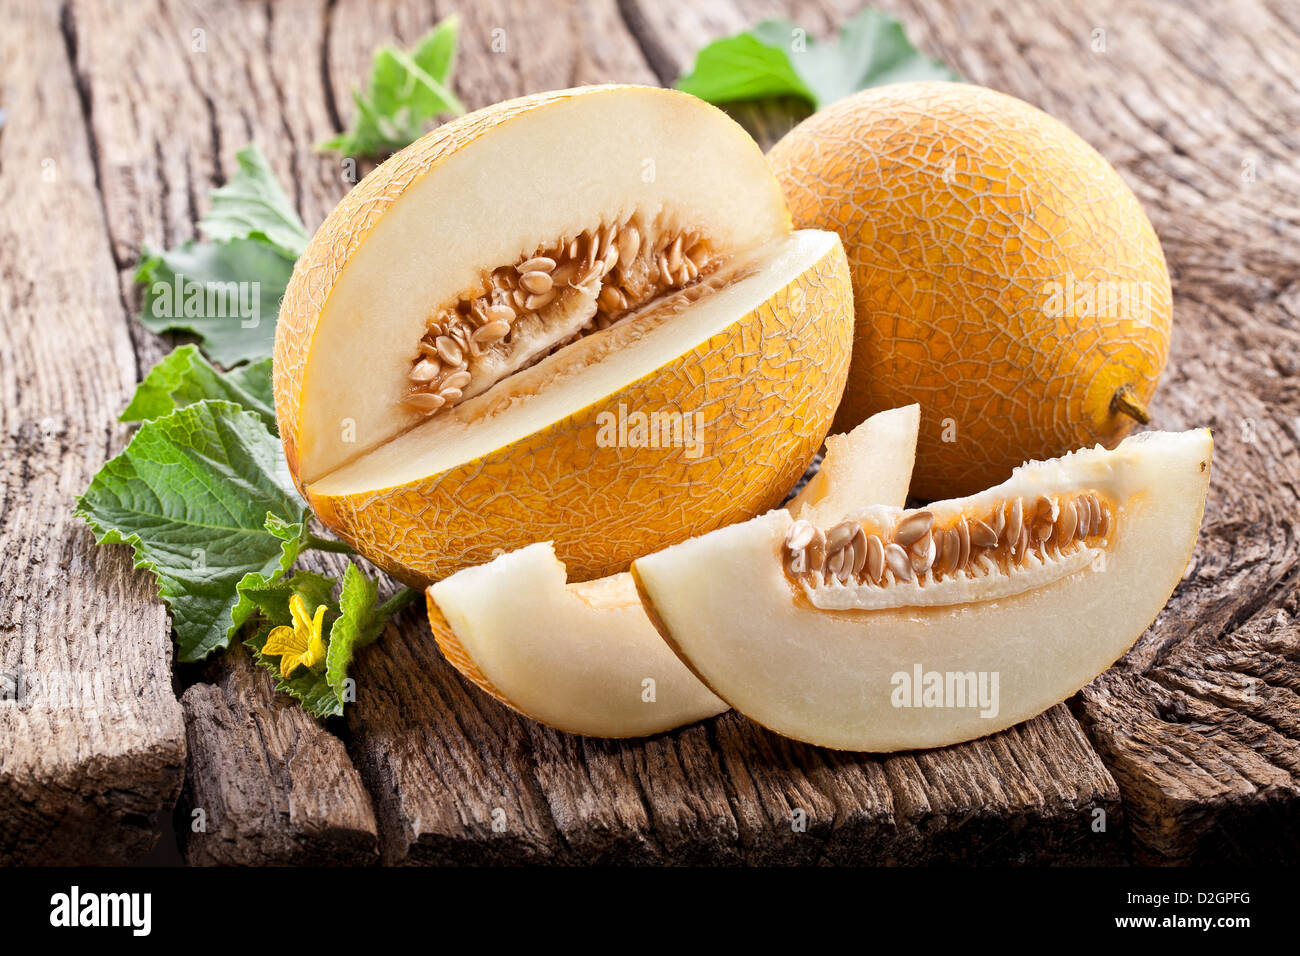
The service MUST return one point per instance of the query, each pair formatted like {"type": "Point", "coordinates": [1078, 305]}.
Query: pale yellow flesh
{"type": "Point", "coordinates": [583, 658]}
{"type": "Point", "coordinates": [543, 175]}
{"type": "Point", "coordinates": [834, 678]}
{"type": "Point", "coordinates": [578, 656]}
{"type": "Point", "coordinates": [574, 377]}
{"type": "Point", "coordinates": [870, 465]}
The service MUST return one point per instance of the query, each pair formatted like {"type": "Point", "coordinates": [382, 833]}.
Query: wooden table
{"type": "Point", "coordinates": [118, 124]}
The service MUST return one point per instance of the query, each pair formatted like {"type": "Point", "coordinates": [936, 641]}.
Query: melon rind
{"type": "Point", "coordinates": [961, 209]}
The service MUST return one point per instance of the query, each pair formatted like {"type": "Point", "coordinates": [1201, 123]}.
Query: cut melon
{"type": "Point", "coordinates": [584, 657]}
{"type": "Point", "coordinates": [521, 327]}
{"type": "Point", "coordinates": [872, 463]}
{"type": "Point", "coordinates": [943, 624]}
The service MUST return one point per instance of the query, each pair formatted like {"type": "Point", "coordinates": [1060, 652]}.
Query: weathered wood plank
{"type": "Point", "coordinates": [208, 79]}
{"type": "Point", "coordinates": [92, 742]}
{"type": "Point", "coordinates": [1204, 767]}
{"type": "Point", "coordinates": [265, 784]}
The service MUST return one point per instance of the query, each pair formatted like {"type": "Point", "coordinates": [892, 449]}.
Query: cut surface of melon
{"type": "Point", "coordinates": [578, 656]}
{"type": "Point", "coordinates": [515, 186]}
{"type": "Point", "coordinates": [581, 657]}
{"type": "Point", "coordinates": [582, 373]}
{"type": "Point", "coordinates": [930, 658]}
{"type": "Point", "coordinates": [872, 463]}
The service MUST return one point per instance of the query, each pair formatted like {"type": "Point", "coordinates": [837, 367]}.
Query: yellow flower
{"type": "Point", "coordinates": [300, 644]}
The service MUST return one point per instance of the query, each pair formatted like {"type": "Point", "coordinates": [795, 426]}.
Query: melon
{"type": "Point", "coordinates": [522, 327]}
{"type": "Point", "coordinates": [1004, 275]}
{"type": "Point", "coordinates": [894, 629]}
{"type": "Point", "coordinates": [583, 657]}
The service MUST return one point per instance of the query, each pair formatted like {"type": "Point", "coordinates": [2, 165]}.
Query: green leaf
{"type": "Point", "coordinates": [406, 91]}
{"type": "Point", "coordinates": [184, 377]}
{"type": "Point", "coordinates": [226, 293]}
{"type": "Point", "coordinates": [777, 58]}
{"type": "Point", "coordinates": [743, 68]}
{"type": "Point", "coordinates": [191, 495]}
{"type": "Point", "coordinates": [360, 624]}
{"type": "Point", "coordinates": [269, 591]}
{"type": "Point", "coordinates": [253, 206]}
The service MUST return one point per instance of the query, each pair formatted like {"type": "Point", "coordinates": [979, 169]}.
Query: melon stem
{"type": "Point", "coordinates": [328, 544]}
{"type": "Point", "coordinates": [1126, 402]}
{"type": "Point", "coordinates": [399, 600]}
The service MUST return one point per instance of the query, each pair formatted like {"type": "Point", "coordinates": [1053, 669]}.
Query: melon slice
{"type": "Point", "coordinates": [902, 629]}
{"type": "Point", "coordinates": [584, 657]}
{"type": "Point", "coordinates": [872, 463]}
{"type": "Point", "coordinates": [523, 326]}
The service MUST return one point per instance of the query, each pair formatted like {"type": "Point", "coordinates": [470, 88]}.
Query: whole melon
{"type": "Point", "coordinates": [1004, 275]}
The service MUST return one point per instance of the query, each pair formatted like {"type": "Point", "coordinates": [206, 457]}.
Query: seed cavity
{"type": "Point", "coordinates": [578, 286]}
{"type": "Point", "coordinates": [919, 563]}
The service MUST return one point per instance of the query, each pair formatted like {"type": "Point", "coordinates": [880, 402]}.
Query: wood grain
{"type": "Point", "coordinates": [266, 784]}
{"type": "Point", "coordinates": [1188, 750]}
{"type": "Point", "coordinates": [92, 742]}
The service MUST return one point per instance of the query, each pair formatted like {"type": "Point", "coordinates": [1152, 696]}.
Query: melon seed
{"type": "Point", "coordinates": [898, 562]}
{"type": "Point", "coordinates": [875, 558]}
{"type": "Point", "coordinates": [840, 535]}
{"type": "Point", "coordinates": [912, 527]}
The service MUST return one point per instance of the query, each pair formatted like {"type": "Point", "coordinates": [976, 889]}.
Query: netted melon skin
{"type": "Point", "coordinates": [957, 205]}
{"type": "Point", "coordinates": [766, 388]}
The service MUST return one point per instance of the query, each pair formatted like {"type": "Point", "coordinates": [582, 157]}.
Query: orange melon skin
{"type": "Point", "coordinates": [959, 207]}
{"type": "Point", "coordinates": [765, 389]}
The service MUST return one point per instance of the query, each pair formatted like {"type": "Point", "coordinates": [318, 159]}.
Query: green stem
{"type": "Point", "coordinates": [329, 544]}
{"type": "Point", "coordinates": [398, 601]}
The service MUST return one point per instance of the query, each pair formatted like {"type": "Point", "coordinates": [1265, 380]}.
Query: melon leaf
{"type": "Point", "coordinates": [360, 624]}
{"type": "Point", "coordinates": [226, 293]}
{"type": "Point", "coordinates": [184, 377]}
{"type": "Point", "coordinates": [204, 499]}
{"type": "Point", "coordinates": [356, 621]}
{"type": "Point", "coordinates": [777, 58]}
{"type": "Point", "coordinates": [253, 206]}
{"type": "Point", "coordinates": [406, 91]}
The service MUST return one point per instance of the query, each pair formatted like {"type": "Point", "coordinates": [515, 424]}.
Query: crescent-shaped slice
{"type": "Point", "coordinates": [958, 620]}
{"type": "Point", "coordinates": [584, 657]}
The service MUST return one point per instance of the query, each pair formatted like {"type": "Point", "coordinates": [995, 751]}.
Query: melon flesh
{"type": "Point", "coordinates": [893, 677]}
{"type": "Point", "coordinates": [577, 656]}
{"type": "Point", "coordinates": [871, 464]}
{"type": "Point", "coordinates": [580, 657]}
{"type": "Point", "coordinates": [551, 171]}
